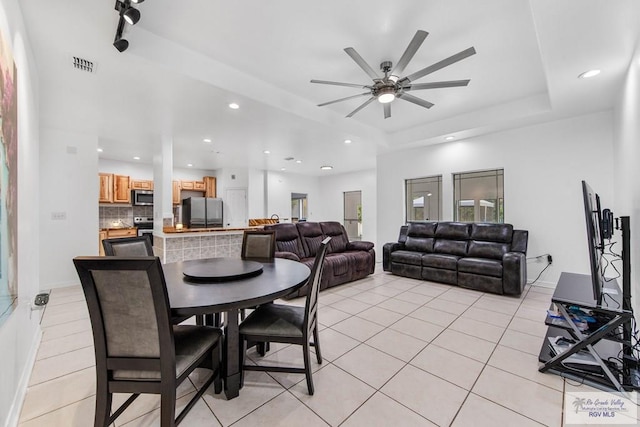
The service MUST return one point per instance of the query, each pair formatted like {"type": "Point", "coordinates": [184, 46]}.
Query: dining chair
{"type": "Point", "coordinates": [137, 348]}
{"type": "Point", "coordinates": [136, 247]}
{"type": "Point", "coordinates": [258, 244]}
{"type": "Point", "coordinates": [128, 246]}
{"type": "Point", "coordinates": [288, 324]}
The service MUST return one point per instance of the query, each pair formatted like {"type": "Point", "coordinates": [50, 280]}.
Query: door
{"type": "Point", "coordinates": [235, 207]}
{"type": "Point", "coordinates": [353, 214]}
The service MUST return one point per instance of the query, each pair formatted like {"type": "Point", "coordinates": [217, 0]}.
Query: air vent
{"type": "Point", "coordinates": [288, 158]}
{"type": "Point", "coordinates": [82, 64]}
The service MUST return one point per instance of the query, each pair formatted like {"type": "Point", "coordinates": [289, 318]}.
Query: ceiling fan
{"type": "Point", "coordinates": [391, 86]}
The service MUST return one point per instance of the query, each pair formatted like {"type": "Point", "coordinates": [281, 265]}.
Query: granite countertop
{"type": "Point", "coordinates": [118, 228]}
{"type": "Point", "coordinates": [172, 230]}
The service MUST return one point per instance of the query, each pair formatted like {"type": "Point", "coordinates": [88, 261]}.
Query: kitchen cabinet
{"type": "Point", "coordinates": [186, 185]}
{"type": "Point", "coordinates": [192, 185]}
{"type": "Point", "coordinates": [101, 236]}
{"type": "Point", "coordinates": [209, 186]}
{"type": "Point", "coordinates": [121, 189]}
{"type": "Point", "coordinates": [198, 186]}
{"type": "Point", "coordinates": [106, 188]}
{"type": "Point", "coordinates": [175, 192]}
{"type": "Point", "coordinates": [141, 184]}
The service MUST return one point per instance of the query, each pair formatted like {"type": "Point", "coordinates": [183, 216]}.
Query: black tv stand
{"type": "Point", "coordinates": [605, 342]}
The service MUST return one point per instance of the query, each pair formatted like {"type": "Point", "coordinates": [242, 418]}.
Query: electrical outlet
{"type": "Point", "coordinates": [41, 299]}
{"type": "Point", "coordinates": [549, 259]}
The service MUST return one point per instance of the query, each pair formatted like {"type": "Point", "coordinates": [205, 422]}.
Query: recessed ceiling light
{"type": "Point", "coordinates": [100, 150]}
{"type": "Point", "coordinates": [326, 168]}
{"type": "Point", "coordinates": [449, 138]}
{"type": "Point", "coordinates": [347, 141]}
{"type": "Point", "coordinates": [189, 165]}
{"type": "Point", "coordinates": [298, 161]}
{"type": "Point", "coordinates": [267, 152]}
{"type": "Point", "coordinates": [234, 106]}
{"type": "Point", "coordinates": [136, 158]}
{"type": "Point", "coordinates": [588, 74]}
{"type": "Point", "coordinates": [283, 169]}
{"type": "Point", "coordinates": [206, 140]}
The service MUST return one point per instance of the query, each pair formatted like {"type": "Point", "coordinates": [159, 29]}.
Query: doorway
{"type": "Point", "coordinates": [299, 207]}
{"type": "Point", "coordinates": [235, 207]}
{"type": "Point", "coordinates": [353, 214]}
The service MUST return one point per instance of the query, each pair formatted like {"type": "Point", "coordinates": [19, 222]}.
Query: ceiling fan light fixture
{"type": "Point", "coordinates": [386, 95]}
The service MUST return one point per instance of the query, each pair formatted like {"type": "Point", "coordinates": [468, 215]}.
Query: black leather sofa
{"type": "Point", "coordinates": [345, 261]}
{"type": "Point", "coordinates": [485, 257]}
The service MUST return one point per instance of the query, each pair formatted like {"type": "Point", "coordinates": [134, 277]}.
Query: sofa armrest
{"type": "Point", "coordinates": [287, 255]}
{"type": "Point", "coordinates": [358, 245]}
{"type": "Point", "coordinates": [514, 273]}
{"type": "Point", "coordinates": [386, 254]}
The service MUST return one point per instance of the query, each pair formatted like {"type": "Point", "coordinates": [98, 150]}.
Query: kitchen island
{"type": "Point", "coordinates": [186, 244]}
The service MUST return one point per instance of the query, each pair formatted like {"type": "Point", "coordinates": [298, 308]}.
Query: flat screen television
{"type": "Point", "coordinates": [595, 238]}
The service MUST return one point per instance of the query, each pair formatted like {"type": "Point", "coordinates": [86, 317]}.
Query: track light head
{"type": "Point", "coordinates": [121, 44]}
{"type": "Point", "coordinates": [131, 15]}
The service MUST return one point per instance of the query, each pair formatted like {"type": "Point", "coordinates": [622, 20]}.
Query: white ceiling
{"type": "Point", "coordinates": [188, 60]}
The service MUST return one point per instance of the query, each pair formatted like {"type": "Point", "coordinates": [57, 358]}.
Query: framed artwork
{"type": "Point", "coordinates": [8, 181]}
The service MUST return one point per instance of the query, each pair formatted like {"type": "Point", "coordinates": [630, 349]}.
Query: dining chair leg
{"type": "Point", "coordinates": [307, 368]}
{"type": "Point", "coordinates": [316, 343]}
{"type": "Point", "coordinates": [103, 406]}
{"type": "Point", "coordinates": [168, 406]}
{"type": "Point", "coordinates": [217, 366]}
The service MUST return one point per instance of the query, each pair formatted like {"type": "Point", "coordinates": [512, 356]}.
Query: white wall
{"type": "Point", "coordinates": [145, 170]}
{"type": "Point", "coordinates": [331, 206]}
{"type": "Point", "coordinates": [68, 185]}
{"type": "Point", "coordinates": [543, 168]}
{"type": "Point", "coordinates": [627, 171]}
{"type": "Point", "coordinates": [20, 334]}
{"type": "Point", "coordinates": [256, 194]}
{"type": "Point", "coordinates": [280, 185]}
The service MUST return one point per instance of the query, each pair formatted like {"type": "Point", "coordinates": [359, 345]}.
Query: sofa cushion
{"type": "Point", "coordinates": [448, 262]}
{"type": "Point", "coordinates": [492, 232]}
{"type": "Point", "coordinates": [453, 247]}
{"type": "Point", "coordinates": [407, 257]}
{"type": "Point", "coordinates": [453, 230]}
{"type": "Point", "coordinates": [482, 266]}
{"type": "Point", "coordinates": [422, 229]}
{"type": "Point", "coordinates": [311, 236]}
{"type": "Point", "coordinates": [338, 264]}
{"type": "Point", "coordinates": [487, 249]}
{"type": "Point", "coordinates": [336, 231]}
{"type": "Point", "coordinates": [287, 238]}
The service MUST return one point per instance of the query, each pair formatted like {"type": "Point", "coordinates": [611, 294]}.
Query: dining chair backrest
{"type": "Point", "coordinates": [259, 244]}
{"type": "Point", "coordinates": [128, 246]}
{"type": "Point", "coordinates": [129, 310]}
{"type": "Point", "coordinates": [311, 306]}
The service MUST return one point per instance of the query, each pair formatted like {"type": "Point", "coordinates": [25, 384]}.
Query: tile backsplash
{"type": "Point", "coordinates": [122, 215]}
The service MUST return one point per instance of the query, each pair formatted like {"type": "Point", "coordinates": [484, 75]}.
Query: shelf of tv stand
{"type": "Point", "coordinates": [575, 290]}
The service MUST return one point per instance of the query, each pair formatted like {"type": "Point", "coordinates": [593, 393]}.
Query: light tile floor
{"type": "Point", "coordinates": [396, 351]}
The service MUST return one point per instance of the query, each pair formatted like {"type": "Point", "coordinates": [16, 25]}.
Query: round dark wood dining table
{"type": "Point", "coordinates": [279, 278]}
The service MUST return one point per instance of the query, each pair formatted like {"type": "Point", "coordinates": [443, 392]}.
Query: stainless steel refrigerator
{"type": "Point", "coordinates": [202, 212]}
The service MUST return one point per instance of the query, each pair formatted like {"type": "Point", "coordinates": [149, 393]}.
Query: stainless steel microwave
{"type": "Point", "coordinates": [141, 198]}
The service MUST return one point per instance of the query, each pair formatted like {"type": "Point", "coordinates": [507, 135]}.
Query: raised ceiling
{"type": "Point", "coordinates": [188, 60]}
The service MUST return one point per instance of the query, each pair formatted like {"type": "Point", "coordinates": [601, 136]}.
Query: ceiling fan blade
{"type": "Point", "coordinates": [326, 82]}
{"type": "Point", "coordinates": [413, 47]}
{"type": "Point", "coordinates": [362, 63]}
{"type": "Point", "coordinates": [367, 102]}
{"type": "Point", "coordinates": [438, 65]}
{"type": "Point", "coordinates": [436, 85]}
{"type": "Point", "coordinates": [344, 99]}
{"type": "Point", "coordinates": [415, 100]}
{"type": "Point", "coordinates": [387, 110]}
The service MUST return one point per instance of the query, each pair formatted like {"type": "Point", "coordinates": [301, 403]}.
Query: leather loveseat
{"type": "Point", "coordinates": [345, 261]}
{"type": "Point", "coordinates": [485, 257]}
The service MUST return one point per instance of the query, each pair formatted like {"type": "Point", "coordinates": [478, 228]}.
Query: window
{"type": "Point", "coordinates": [479, 196]}
{"type": "Point", "coordinates": [424, 198]}
{"type": "Point", "coordinates": [298, 207]}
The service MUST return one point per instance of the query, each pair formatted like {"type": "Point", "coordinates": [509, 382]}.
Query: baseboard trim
{"type": "Point", "coordinates": [21, 392]}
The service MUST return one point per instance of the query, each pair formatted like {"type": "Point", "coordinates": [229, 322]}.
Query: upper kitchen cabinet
{"type": "Point", "coordinates": [175, 192]}
{"type": "Point", "coordinates": [106, 188]}
{"type": "Point", "coordinates": [141, 184]}
{"type": "Point", "coordinates": [121, 189]}
{"type": "Point", "coordinates": [209, 186]}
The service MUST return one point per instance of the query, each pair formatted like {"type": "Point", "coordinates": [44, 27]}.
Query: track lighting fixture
{"type": "Point", "coordinates": [120, 43]}
{"type": "Point", "coordinates": [129, 15]}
